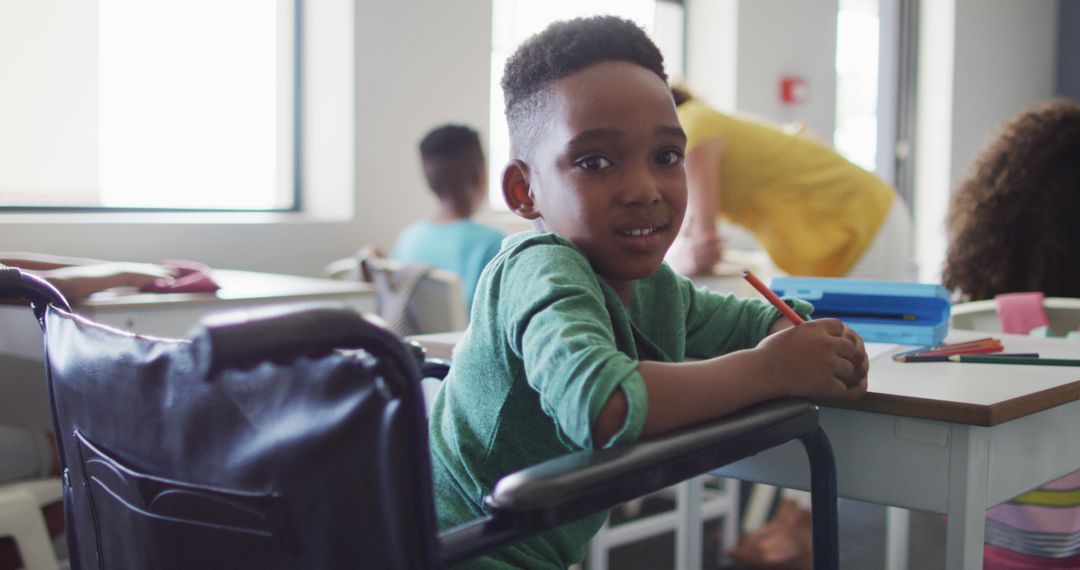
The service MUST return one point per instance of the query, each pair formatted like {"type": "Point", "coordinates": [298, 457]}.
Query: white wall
{"type": "Point", "coordinates": [737, 51]}
{"type": "Point", "coordinates": [711, 46]}
{"type": "Point", "coordinates": [416, 63]}
{"type": "Point", "coordinates": [420, 63]}
{"type": "Point", "coordinates": [981, 62]}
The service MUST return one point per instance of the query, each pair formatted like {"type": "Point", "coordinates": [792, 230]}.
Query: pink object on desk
{"type": "Point", "coordinates": [1019, 313]}
{"type": "Point", "coordinates": [191, 277]}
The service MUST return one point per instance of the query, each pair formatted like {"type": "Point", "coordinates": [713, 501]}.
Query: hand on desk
{"type": "Point", "coordinates": [817, 359]}
{"type": "Point", "coordinates": [80, 281]}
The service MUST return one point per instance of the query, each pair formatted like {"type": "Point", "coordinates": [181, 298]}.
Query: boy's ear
{"type": "Point", "coordinates": [516, 192]}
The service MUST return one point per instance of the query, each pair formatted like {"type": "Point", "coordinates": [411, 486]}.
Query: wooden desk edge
{"type": "Point", "coordinates": [961, 413]}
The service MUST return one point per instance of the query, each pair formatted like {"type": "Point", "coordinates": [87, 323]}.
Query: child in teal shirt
{"type": "Point", "coordinates": [454, 168]}
{"type": "Point", "coordinates": [579, 330]}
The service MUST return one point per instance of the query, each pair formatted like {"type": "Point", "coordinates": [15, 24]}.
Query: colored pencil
{"type": "Point", "coordinates": [772, 298]}
{"type": "Point", "coordinates": [972, 341]}
{"type": "Point", "coordinates": [983, 340]}
{"type": "Point", "coordinates": [972, 350]}
{"type": "Point", "coordinates": [1008, 360]}
{"type": "Point", "coordinates": [965, 345]}
{"type": "Point", "coordinates": [948, 347]}
{"type": "Point", "coordinates": [945, 358]}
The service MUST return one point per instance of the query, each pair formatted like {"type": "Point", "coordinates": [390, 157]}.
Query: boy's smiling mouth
{"type": "Point", "coordinates": [643, 231]}
{"type": "Point", "coordinates": [639, 232]}
{"type": "Point", "coordinates": [643, 236]}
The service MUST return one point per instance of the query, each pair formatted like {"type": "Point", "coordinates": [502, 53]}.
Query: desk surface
{"type": "Point", "coordinates": [235, 286]}
{"type": "Point", "coordinates": [973, 394]}
{"type": "Point", "coordinates": [174, 314]}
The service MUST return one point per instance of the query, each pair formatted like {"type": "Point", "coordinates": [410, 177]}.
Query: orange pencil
{"type": "Point", "coordinates": [974, 344]}
{"type": "Point", "coordinates": [972, 350]}
{"type": "Point", "coordinates": [964, 342]}
{"type": "Point", "coordinates": [772, 298]}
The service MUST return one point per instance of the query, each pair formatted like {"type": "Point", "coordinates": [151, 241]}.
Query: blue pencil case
{"type": "Point", "coordinates": [880, 311]}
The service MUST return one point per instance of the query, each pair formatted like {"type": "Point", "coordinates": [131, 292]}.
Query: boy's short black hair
{"type": "Point", "coordinates": [453, 159]}
{"type": "Point", "coordinates": [562, 49]}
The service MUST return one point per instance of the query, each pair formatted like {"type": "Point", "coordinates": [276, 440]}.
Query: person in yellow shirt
{"type": "Point", "coordinates": [813, 211]}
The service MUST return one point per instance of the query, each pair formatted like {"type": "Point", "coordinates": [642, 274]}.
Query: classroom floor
{"type": "Point", "coordinates": [862, 542]}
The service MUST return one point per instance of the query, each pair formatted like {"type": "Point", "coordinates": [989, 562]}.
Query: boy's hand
{"type": "Point", "coordinates": [818, 359]}
{"type": "Point", "coordinates": [857, 382]}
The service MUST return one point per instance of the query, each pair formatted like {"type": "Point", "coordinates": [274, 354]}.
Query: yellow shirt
{"type": "Point", "coordinates": [812, 210]}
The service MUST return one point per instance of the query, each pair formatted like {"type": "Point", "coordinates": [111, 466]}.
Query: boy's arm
{"type": "Point", "coordinates": [80, 281]}
{"type": "Point", "coordinates": [820, 359]}
{"type": "Point", "coordinates": [40, 261]}
{"type": "Point", "coordinates": [78, 278]}
{"type": "Point", "coordinates": [556, 321]}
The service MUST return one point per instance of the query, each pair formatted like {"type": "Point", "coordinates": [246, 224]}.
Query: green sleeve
{"type": "Point", "coordinates": [557, 322]}
{"type": "Point", "coordinates": [718, 324]}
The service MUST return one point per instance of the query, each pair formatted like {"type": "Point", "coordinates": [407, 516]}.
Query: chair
{"type": "Point", "coordinates": [694, 503]}
{"type": "Point", "coordinates": [433, 303]}
{"type": "Point", "coordinates": [1062, 313]}
{"type": "Point", "coordinates": [22, 520]}
{"type": "Point", "coordinates": [295, 438]}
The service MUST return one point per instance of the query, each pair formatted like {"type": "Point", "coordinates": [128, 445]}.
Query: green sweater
{"type": "Point", "coordinates": [549, 342]}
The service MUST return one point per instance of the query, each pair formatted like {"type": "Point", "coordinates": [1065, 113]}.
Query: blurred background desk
{"type": "Point", "coordinates": [23, 398]}
{"type": "Point", "coordinates": [174, 314]}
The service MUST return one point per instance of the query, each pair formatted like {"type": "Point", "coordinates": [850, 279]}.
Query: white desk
{"type": "Point", "coordinates": [175, 314]}
{"type": "Point", "coordinates": [940, 437]}
{"type": "Point", "coordinates": [947, 438]}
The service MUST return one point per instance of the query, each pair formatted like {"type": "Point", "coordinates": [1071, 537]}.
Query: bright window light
{"type": "Point", "coordinates": [173, 105]}
{"type": "Point", "coordinates": [857, 34]}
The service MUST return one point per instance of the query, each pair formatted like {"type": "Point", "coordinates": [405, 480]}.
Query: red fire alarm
{"type": "Point", "coordinates": [793, 90]}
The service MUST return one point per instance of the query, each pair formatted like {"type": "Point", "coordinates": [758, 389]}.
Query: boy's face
{"type": "Point", "coordinates": [606, 170]}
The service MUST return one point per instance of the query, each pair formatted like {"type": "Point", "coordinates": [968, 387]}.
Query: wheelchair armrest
{"type": "Point", "coordinates": [570, 487]}
{"type": "Point", "coordinates": [573, 486]}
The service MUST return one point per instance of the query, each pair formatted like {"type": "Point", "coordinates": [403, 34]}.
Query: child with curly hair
{"type": "Point", "coordinates": [1013, 223]}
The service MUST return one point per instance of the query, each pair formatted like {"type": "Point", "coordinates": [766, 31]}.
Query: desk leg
{"type": "Point", "coordinates": [688, 533]}
{"type": "Point", "coordinates": [897, 525]}
{"type": "Point", "coordinates": [969, 455]}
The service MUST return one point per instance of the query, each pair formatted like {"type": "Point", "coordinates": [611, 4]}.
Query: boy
{"type": "Point", "coordinates": [454, 167]}
{"type": "Point", "coordinates": [579, 329]}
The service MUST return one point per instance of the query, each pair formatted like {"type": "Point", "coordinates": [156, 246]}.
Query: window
{"type": "Point", "coordinates": [148, 104]}
{"type": "Point", "coordinates": [514, 21]}
{"type": "Point", "coordinates": [856, 135]}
